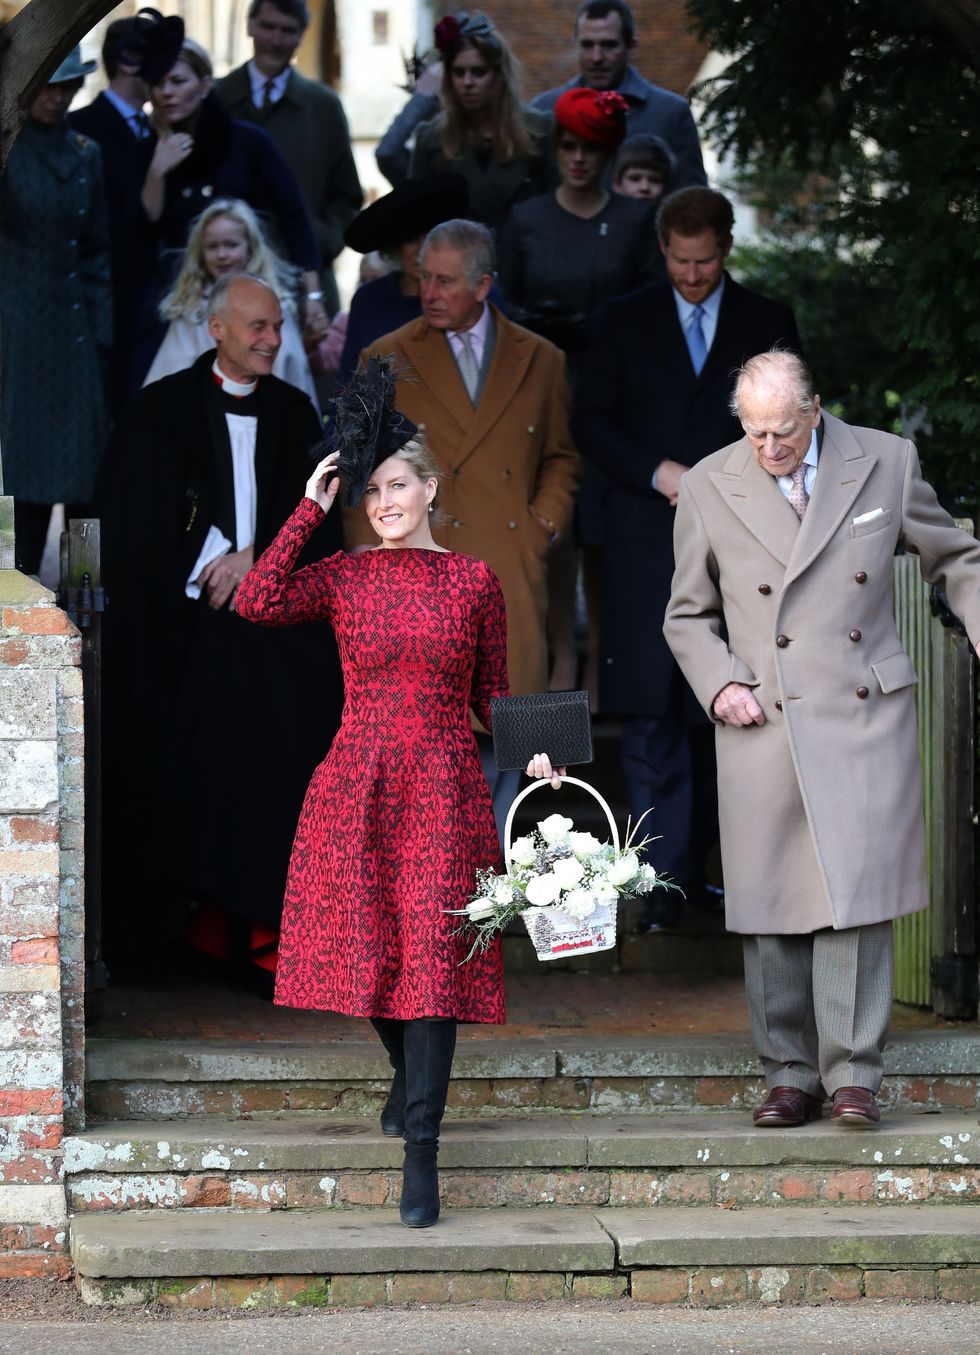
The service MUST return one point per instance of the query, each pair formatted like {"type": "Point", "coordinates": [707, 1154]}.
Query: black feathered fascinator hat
{"type": "Point", "coordinates": [162, 38]}
{"type": "Point", "coordinates": [365, 427]}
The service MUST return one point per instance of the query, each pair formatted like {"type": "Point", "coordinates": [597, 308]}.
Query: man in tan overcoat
{"type": "Point", "coordinates": [781, 618]}
{"type": "Point", "coordinates": [492, 401]}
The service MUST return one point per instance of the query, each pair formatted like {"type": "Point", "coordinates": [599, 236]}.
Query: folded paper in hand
{"type": "Point", "coordinates": [866, 517]}
{"type": "Point", "coordinates": [556, 723]}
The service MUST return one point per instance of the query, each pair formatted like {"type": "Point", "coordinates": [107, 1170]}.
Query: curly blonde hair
{"type": "Point", "coordinates": [187, 296]}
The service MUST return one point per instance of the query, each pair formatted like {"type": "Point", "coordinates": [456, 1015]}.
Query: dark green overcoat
{"type": "Point", "coordinates": [55, 315]}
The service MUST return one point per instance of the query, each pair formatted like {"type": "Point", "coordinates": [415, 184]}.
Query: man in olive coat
{"type": "Point", "coordinates": [781, 618]}
{"type": "Point", "coordinates": [499, 433]}
{"type": "Point", "coordinates": [306, 121]}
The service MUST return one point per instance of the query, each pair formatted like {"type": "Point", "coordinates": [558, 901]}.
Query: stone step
{"type": "Point", "coordinates": [575, 1159]}
{"type": "Point", "coordinates": [171, 1079]}
{"type": "Point", "coordinates": [219, 1258]}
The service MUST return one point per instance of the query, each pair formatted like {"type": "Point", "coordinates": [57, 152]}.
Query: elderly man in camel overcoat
{"type": "Point", "coordinates": [781, 617]}
{"type": "Point", "coordinates": [492, 401]}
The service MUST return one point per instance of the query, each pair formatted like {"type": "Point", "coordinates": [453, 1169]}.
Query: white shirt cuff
{"type": "Point", "coordinates": [215, 544]}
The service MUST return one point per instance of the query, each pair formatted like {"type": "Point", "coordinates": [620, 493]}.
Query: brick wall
{"type": "Point", "coordinates": [41, 921]}
{"type": "Point", "coordinates": [540, 31]}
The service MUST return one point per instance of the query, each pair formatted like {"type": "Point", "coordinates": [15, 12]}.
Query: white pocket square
{"type": "Point", "coordinates": [867, 517]}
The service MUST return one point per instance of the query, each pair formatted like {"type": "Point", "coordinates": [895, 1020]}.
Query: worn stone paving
{"type": "Point", "coordinates": [538, 1003]}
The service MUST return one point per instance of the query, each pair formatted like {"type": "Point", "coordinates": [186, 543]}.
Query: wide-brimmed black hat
{"type": "Point", "coordinates": [408, 211]}
{"type": "Point", "coordinates": [163, 37]}
{"type": "Point", "coordinates": [364, 427]}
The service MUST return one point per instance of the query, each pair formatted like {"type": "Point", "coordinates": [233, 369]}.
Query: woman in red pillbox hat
{"type": "Point", "coordinates": [561, 256]}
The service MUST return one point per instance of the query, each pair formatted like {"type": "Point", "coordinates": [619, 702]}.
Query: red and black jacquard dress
{"type": "Point", "coordinates": [397, 817]}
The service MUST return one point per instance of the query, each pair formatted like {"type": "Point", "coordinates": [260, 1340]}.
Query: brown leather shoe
{"type": "Point", "coordinates": [855, 1106]}
{"type": "Point", "coordinates": [785, 1107]}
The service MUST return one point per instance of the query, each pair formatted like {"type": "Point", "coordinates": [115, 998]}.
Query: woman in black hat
{"type": "Point", "coordinates": [394, 226]}
{"type": "Point", "coordinates": [397, 818]}
{"type": "Point", "coordinates": [201, 154]}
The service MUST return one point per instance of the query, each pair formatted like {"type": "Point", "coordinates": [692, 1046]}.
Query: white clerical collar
{"type": "Point", "coordinates": [230, 387]}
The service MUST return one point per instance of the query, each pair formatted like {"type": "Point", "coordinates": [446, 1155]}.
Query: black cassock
{"type": "Point", "coordinates": [213, 726]}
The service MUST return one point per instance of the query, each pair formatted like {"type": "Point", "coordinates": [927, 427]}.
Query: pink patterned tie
{"type": "Point", "coordinates": [798, 497]}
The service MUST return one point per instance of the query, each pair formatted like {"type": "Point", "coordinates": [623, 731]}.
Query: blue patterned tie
{"type": "Point", "coordinates": [696, 345]}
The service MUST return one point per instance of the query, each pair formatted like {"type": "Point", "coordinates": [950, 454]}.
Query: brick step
{"type": "Point", "coordinates": [220, 1258]}
{"type": "Point", "coordinates": [582, 1160]}
{"type": "Point", "coordinates": [171, 1079]}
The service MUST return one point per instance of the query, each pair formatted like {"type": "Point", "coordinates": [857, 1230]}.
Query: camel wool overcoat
{"type": "Point", "coordinates": [505, 463]}
{"type": "Point", "coordinates": [820, 807]}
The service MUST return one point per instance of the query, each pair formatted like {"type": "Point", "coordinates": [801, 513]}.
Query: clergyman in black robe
{"type": "Point", "coordinates": [213, 727]}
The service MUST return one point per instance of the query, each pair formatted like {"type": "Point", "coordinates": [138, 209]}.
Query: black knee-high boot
{"type": "Point", "coordinates": [429, 1049]}
{"type": "Point", "coordinates": [392, 1036]}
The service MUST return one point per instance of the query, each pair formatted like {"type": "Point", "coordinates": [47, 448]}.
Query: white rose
{"type": "Point", "coordinates": [648, 879]}
{"type": "Point", "coordinates": [503, 891]}
{"type": "Point", "coordinates": [568, 870]}
{"type": "Point", "coordinates": [543, 889]}
{"type": "Point", "coordinates": [478, 910]}
{"type": "Point", "coordinates": [622, 871]}
{"type": "Point", "coordinates": [554, 829]}
{"type": "Point", "coordinates": [523, 852]}
{"type": "Point", "coordinates": [605, 892]}
{"type": "Point", "coordinates": [583, 844]}
{"type": "Point", "coordinates": [579, 903]}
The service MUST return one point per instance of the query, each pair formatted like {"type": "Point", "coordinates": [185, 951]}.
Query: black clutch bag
{"type": "Point", "coordinates": [556, 723]}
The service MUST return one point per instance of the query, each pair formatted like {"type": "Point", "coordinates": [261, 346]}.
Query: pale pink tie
{"type": "Point", "coordinates": [798, 497]}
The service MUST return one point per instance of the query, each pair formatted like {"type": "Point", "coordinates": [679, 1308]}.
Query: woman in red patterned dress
{"type": "Point", "coordinates": [397, 818]}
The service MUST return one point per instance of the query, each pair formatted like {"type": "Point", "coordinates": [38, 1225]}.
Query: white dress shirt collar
{"type": "Point", "coordinates": [258, 81]}
{"type": "Point", "coordinates": [131, 112]}
{"type": "Point", "coordinates": [785, 482]}
{"type": "Point", "coordinates": [711, 305]}
{"type": "Point", "coordinates": [477, 333]}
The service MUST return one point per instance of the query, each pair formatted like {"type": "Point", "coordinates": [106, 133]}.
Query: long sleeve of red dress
{"type": "Point", "coordinates": [272, 594]}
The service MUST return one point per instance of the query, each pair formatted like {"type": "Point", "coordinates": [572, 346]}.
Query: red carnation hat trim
{"type": "Point", "coordinates": [446, 34]}
{"type": "Point", "coordinates": [611, 105]}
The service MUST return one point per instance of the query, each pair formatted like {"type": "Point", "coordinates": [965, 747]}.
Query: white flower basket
{"type": "Point", "coordinates": [555, 933]}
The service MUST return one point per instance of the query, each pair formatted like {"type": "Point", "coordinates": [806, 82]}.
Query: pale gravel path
{"type": "Point", "coordinates": [879, 1328]}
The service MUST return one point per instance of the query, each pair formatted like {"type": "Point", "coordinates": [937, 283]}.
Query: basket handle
{"type": "Point", "coordinates": [537, 785]}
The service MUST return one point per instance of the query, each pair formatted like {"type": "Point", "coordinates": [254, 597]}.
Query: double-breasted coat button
{"type": "Point", "coordinates": [860, 577]}
{"type": "Point", "coordinates": [506, 474]}
{"type": "Point", "coordinates": [456, 522]}
{"type": "Point", "coordinates": [862, 693]}
{"type": "Point", "coordinates": [764, 589]}
{"type": "Point", "coordinates": [855, 635]}
{"type": "Point", "coordinates": [530, 428]}
{"type": "Point", "coordinates": [782, 641]}
{"type": "Point", "coordinates": [512, 526]}
{"type": "Point", "coordinates": [779, 705]}
{"type": "Point", "coordinates": [421, 428]}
